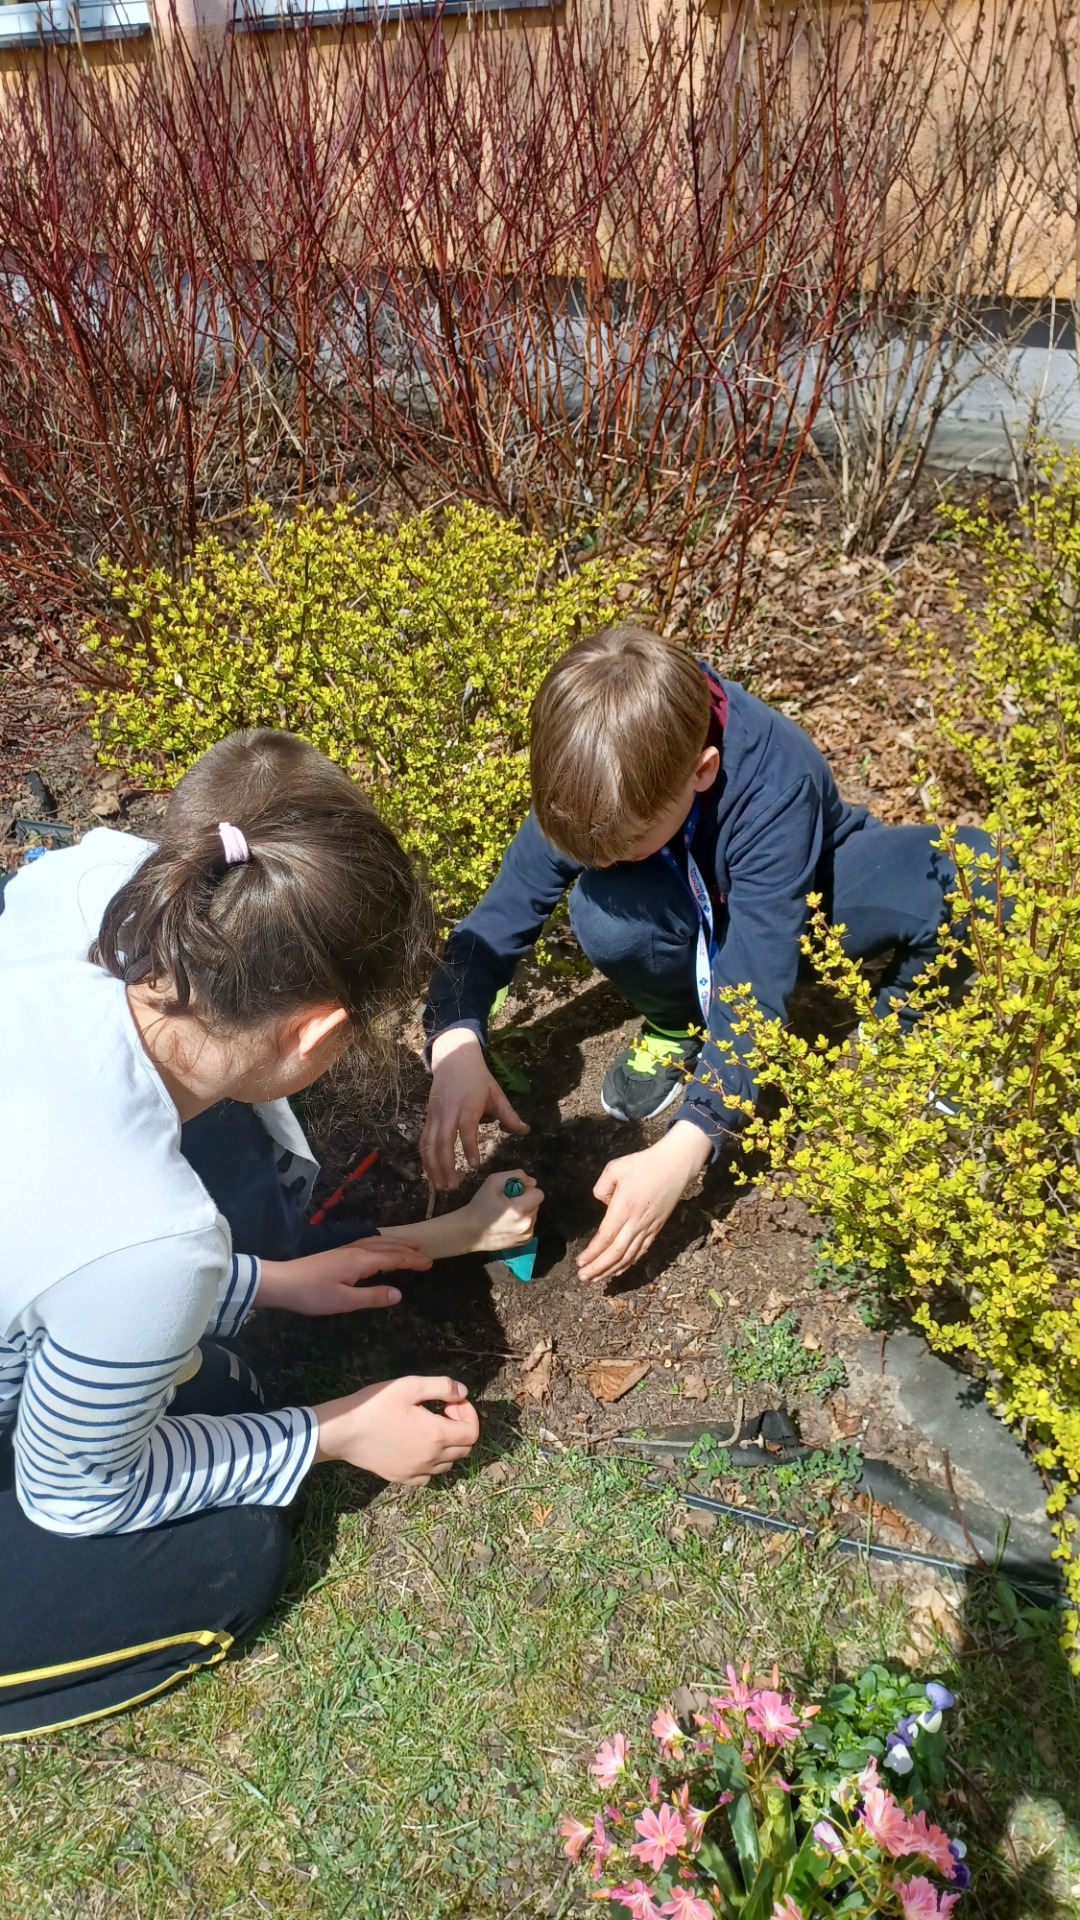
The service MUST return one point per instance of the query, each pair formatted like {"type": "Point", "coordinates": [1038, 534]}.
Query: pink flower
{"type": "Point", "coordinates": [609, 1760]}
{"type": "Point", "coordinates": [869, 1777]}
{"type": "Point", "coordinates": [667, 1730]}
{"type": "Point", "coordinates": [787, 1909]}
{"type": "Point", "coordinates": [919, 1900]}
{"type": "Point", "coordinates": [739, 1694]}
{"type": "Point", "coordinates": [575, 1833]}
{"type": "Point", "coordinates": [773, 1717]}
{"type": "Point", "coordinates": [923, 1837]}
{"type": "Point", "coordinates": [826, 1836]}
{"type": "Point", "coordinates": [885, 1821]}
{"type": "Point", "coordinates": [693, 1817]}
{"type": "Point", "coordinates": [654, 1788]}
{"type": "Point", "coordinates": [662, 1834]}
{"type": "Point", "coordinates": [684, 1905]}
{"type": "Point", "coordinates": [638, 1898]}
{"type": "Point", "coordinates": [601, 1846]}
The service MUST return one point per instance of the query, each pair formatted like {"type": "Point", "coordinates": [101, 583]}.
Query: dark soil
{"type": "Point", "coordinates": [815, 647]}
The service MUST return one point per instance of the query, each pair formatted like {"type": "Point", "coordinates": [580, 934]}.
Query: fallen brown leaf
{"type": "Point", "coordinates": [776, 1304]}
{"type": "Point", "coordinates": [106, 797]}
{"type": "Point", "coordinates": [610, 1379]}
{"type": "Point", "coordinates": [811, 1343]}
{"type": "Point", "coordinates": [536, 1371]}
{"type": "Point", "coordinates": [846, 1421]}
{"type": "Point", "coordinates": [695, 1387]}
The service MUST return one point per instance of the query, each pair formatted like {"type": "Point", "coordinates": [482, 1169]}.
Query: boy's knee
{"type": "Point", "coordinates": [619, 916]}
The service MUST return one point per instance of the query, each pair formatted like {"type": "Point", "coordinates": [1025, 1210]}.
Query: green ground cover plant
{"type": "Point", "coordinates": [775, 1355]}
{"type": "Point", "coordinates": [410, 656]}
{"type": "Point", "coordinates": [949, 1155]}
{"type": "Point", "coordinates": [799, 1490]}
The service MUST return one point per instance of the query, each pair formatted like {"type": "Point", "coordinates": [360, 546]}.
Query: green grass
{"type": "Point", "coordinates": [408, 1730]}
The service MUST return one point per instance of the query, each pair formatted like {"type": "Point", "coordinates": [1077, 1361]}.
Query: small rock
{"type": "Point", "coordinates": [701, 1520]}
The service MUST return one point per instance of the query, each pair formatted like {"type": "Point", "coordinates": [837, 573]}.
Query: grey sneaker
{"type": "Point", "coordinates": [650, 1075]}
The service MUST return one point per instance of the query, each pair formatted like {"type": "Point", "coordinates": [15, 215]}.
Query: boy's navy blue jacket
{"type": "Point", "coordinates": [766, 832]}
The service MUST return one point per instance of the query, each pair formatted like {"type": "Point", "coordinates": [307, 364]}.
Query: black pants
{"type": "Point", "coordinates": [91, 1625]}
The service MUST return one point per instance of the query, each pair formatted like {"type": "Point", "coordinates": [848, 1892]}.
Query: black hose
{"type": "Point", "coordinates": [875, 1550]}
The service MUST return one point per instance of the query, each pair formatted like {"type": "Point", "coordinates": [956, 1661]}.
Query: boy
{"type": "Point", "coordinates": [690, 821]}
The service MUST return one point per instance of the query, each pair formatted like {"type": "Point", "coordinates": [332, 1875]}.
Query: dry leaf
{"type": "Point", "coordinates": [846, 1421]}
{"type": "Point", "coordinates": [106, 799]}
{"type": "Point", "coordinates": [811, 1343]}
{"type": "Point", "coordinates": [699, 1316]}
{"type": "Point", "coordinates": [610, 1379]}
{"type": "Point", "coordinates": [536, 1370]}
{"type": "Point", "coordinates": [775, 1305]}
{"type": "Point", "coordinates": [695, 1387]}
{"type": "Point", "coordinates": [932, 1620]}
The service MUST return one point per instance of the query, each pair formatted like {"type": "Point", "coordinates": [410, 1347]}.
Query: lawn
{"type": "Point", "coordinates": [406, 1733]}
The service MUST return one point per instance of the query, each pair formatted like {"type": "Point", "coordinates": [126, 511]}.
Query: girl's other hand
{"type": "Point", "coordinates": [329, 1282]}
{"type": "Point", "coordinates": [387, 1429]}
{"type": "Point", "coordinates": [491, 1221]}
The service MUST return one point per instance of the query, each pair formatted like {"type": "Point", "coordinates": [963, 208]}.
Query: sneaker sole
{"type": "Point", "coordinates": [616, 1113]}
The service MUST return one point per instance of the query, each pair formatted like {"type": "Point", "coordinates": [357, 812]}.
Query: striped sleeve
{"type": "Point", "coordinates": [95, 1452]}
{"type": "Point", "coordinates": [235, 1296]}
{"type": "Point", "coordinates": [12, 1368]}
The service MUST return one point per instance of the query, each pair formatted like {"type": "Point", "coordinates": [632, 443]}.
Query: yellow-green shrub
{"type": "Point", "coordinates": [982, 1212]}
{"type": "Point", "coordinates": [410, 656]}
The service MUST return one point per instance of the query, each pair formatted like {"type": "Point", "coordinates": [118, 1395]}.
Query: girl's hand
{"type": "Point", "coordinates": [330, 1282]}
{"type": "Point", "coordinates": [388, 1430]}
{"type": "Point", "coordinates": [491, 1222]}
{"type": "Point", "coordinates": [640, 1191]}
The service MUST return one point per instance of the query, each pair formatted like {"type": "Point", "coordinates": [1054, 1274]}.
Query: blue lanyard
{"type": "Point", "coordinates": [699, 894]}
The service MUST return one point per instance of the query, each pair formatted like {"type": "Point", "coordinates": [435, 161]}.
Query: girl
{"type": "Point", "coordinates": [143, 1487]}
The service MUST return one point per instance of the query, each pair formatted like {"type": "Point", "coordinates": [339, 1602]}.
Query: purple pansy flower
{"type": "Point", "coordinates": [905, 1729]}
{"type": "Point", "coordinates": [961, 1876]}
{"type": "Point", "coordinates": [938, 1695]}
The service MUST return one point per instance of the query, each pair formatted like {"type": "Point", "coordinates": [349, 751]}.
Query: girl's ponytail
{"type": "Point", "coordinates": [275, 887]}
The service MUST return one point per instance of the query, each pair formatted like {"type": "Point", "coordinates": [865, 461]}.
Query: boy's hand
{"type": "Point", "coordinates": [329, 1282]}
{"type": "Point", "coordinates": [463, 1091]}
{"type": "Point", "coordinates": [640, 1191]}
{"type": "Point", "coordinates": [387, 1429]}
{"type": "Point", "coordinates": [494, 1222]}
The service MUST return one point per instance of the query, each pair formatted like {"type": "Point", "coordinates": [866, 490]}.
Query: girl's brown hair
{"type": "Point", "coordinates": [616, 728]}
{"type": "Point", "coordinates": [327, 909]}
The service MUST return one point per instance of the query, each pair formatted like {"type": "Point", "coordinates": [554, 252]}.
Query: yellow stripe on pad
{"type": "Point", "coordinates": [201, 1638]}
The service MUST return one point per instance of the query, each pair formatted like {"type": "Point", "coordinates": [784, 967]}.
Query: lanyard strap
{"type": "Point", "coordinates": [699, 894]}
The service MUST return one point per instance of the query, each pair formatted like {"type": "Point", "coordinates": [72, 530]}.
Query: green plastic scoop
{"type": "Point", "coordinates": [520, 1260]}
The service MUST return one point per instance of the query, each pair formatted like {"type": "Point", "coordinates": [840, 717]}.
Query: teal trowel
{"type": "Point", "coordinates": [520, 1260]}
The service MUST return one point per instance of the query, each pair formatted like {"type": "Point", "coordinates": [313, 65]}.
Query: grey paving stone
{"type": "Point", "coordinates": [950, 1410]}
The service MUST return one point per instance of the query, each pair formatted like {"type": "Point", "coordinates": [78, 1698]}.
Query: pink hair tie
{"type": "Point", "coordinates": [236, 847]}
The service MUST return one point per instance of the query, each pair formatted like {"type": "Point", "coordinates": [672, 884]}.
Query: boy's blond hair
{"type": "Point", "coordinates": [617, 726]}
